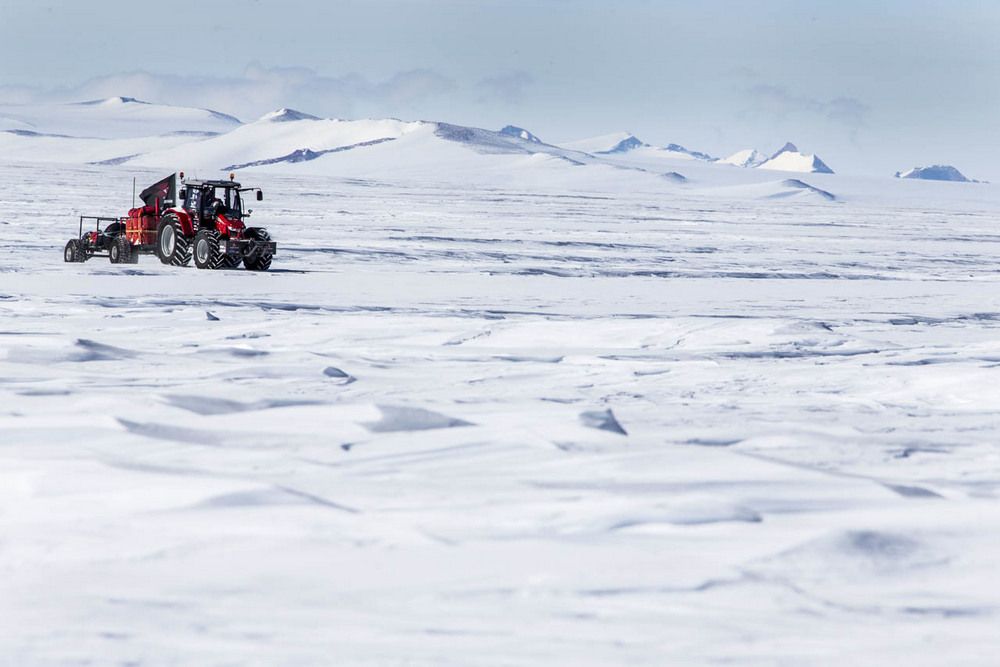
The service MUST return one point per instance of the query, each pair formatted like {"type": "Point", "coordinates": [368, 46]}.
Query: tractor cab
{"type": "Point", "coordinates": [204, 201]}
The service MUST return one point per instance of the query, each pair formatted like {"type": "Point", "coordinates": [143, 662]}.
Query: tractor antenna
{"type": "Point", "coordinates": [133, 192]}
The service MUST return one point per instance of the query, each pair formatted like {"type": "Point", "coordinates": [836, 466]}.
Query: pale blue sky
{"type": "Point", "coordinates": [870, 86]}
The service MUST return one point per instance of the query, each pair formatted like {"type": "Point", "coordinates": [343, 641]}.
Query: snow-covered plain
{"type": "Point", "coordinates": [534, 413]}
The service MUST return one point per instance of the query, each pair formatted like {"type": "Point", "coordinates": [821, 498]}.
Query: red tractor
{"type": "Point", "coordinates": [205, 219]}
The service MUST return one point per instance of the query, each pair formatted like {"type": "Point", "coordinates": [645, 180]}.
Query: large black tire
{"type": "Point", "coordinates": [120, 251]}
{"type": "Point", "coordinates": [73, 252]}
{"type": "Point", "coordinates": [207, 253]}
{"type": "Point", "coordinates": [172, 247]}
{"type": "Point", "coordinates": [258, 261]}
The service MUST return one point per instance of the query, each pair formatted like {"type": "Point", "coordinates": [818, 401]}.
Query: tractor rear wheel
{"type": "Point", "coordinates": [73, 252]}
{"type": "Point", "coordinates": [258, 260]}
{"type": "Point", "coordinates": [172, 247]}
{"type": "Point", "coordinates": [207, 253]}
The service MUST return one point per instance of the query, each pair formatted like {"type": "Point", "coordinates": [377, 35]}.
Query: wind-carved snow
{"type": "Point", "coordinates": [787, 189]}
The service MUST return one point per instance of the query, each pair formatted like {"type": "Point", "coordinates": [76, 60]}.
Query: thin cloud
{"type": "Point", "coordinates": [780, 102]}
{"type": "Point", "coordinates": [259, 89]}
{"type": "Point", "coordinates": [508, 88]}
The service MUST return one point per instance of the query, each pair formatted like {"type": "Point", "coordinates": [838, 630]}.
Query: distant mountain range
{"type": "Point", "coordinates": [623, 142]}
{"type": "Point", "coordinates": [125, 130]}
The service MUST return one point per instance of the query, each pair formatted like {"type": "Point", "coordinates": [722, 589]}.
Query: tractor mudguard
{"type": "Point", "coordinates": [184, 218]}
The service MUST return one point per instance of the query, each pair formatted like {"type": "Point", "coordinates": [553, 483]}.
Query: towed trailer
{"type": "Point", "coordinates": [99, 242]}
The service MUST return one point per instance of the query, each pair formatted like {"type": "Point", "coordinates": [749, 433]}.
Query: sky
{"type": "Point", "coordinates": [871, 87]}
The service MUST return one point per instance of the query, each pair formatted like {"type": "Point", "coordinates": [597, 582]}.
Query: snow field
{"type": "Point", "coordinates": [400, 444]}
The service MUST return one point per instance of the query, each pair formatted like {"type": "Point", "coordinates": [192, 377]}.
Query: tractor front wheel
{"type": "Point", "coordinates": [73, 252]}
{"type": "Point", "coordinates": [172, 247]}
{"type": "Point", "coordinates": [207, 253]}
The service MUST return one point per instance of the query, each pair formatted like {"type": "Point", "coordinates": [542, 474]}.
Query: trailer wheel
{"type": "Point", "coordinates": [172, 247]}
{"type": "Point", "coordinates": [121, 251]}
{"type": "Point", "coordinates": [73, 252]}
{"type": "Point", "coordinates": [258, 260]}
{"type": "Point", "coordinates": [207, 254]}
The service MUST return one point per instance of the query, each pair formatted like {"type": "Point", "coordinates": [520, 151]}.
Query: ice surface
{"type": "Point", "coordinates": [497, 408]}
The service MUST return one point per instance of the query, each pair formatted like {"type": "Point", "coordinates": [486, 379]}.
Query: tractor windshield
{"type": "Point", "coordinates": [236, 205]}
{"type": "Point", "coordinates": [229, 198]}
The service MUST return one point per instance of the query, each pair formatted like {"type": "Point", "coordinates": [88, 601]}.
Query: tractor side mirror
{"type": "Point", "coordinates": [183, 194]}
{"type": "Point", "coordinates": [260, 195]}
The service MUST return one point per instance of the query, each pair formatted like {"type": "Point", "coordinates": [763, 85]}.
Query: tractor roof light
{"type": "Point", "coordinates": [232, 176]}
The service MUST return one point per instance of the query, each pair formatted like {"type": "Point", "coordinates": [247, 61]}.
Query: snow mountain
{"type": "Point", "coordinates": [113, 118]}
{"type": "Point", "coordinates": [936, 172]}
{"type": "Point", "coordinates": [620, 143]}
{"type": "Point", "coordinates": [789, 158]}
{"type": "Point", "coordinates": [284, 115]}
{"type": "Point", "coordinates": [520, 133]}
{"type": "Point", "coordinates": [698, 155]}
{"type": "Point", "coordinates": [617, 142]}
{"type": "Point", "coordinates": [748, 158]}
{"type": "Point", "coordinates": [625, 145]}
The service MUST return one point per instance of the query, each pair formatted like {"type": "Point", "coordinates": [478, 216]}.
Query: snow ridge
{"type": "Point", "coordinates": [110, 101]}
{"type": "Point", "coordinates": [306, 154]}
{"type": "Point", "coordinates": [627, 144]}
